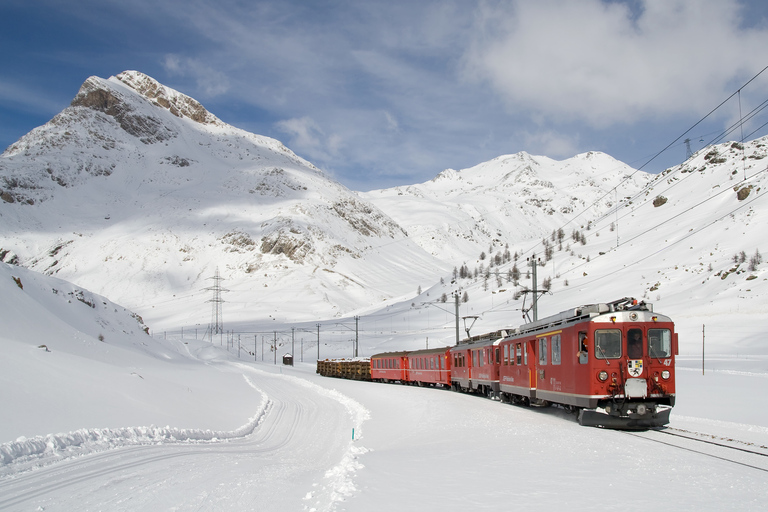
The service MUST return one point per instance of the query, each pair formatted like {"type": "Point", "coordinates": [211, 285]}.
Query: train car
{"type": "Point", "coordinates": [389, 367]}
{"type": "Point", "coordinates": [475, 364]}
{"type": "Point", "coordinates": [613, 363]}
{"type": "Point", "coordinates": [429, 367]}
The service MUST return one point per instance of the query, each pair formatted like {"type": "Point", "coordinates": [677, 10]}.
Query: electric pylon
{"type": "Point", "coordinates": [217, 319]}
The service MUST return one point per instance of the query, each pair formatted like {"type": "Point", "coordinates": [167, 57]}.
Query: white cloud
{"type": "Point", "coordinates": [604, 64]}
{"type": "Point", "coordinates": [550, 143]}
{"type": "Point", "coordinates": [210, 81]}
{"type": "Point", "coordinates": [308, 138]}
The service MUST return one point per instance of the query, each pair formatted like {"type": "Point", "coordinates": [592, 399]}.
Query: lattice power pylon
{"type": "Point", "coordinates": [217, 319]}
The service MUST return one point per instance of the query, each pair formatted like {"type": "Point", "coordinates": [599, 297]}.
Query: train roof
{"type": "Point", "coordinates": [584, 312]}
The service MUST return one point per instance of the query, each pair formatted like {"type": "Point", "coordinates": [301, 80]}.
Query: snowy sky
{"type": "Point", "coordinates": [384, 93]}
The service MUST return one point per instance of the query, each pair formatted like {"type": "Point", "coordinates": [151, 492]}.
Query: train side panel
{"type": "Point", "coordinates": [389, 367]}
{"type": "Point", "coordinates": [429, 367]}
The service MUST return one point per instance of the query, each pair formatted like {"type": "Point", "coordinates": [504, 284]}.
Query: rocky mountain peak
{"type": "Point", "coordinates": [159, 95]}
{"type": "Point", "coordinates": [102, 95]}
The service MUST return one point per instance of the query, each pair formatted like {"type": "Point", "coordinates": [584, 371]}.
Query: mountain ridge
{"type": "Point", "coordinates": [146, 215]}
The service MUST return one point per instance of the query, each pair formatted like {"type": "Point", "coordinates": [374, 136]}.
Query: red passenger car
{"type": "Point", "coordinates": [389, 367]}
{"type": "Point", "coordinates": [612, 362]}
{"type": "Point", "coordinates": [476, 364]}
{"type": "Point", "coordinates": [429, 367]}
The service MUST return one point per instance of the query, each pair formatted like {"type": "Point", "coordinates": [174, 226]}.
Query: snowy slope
{"type": "Point", "coordinates": [510, 199]}
{"type": "Point", "coordinates": [133, 422]}
{"type": "Point", "coordinates": [74, 359]}
{"type": "Point", "coordinates": [138, 184]}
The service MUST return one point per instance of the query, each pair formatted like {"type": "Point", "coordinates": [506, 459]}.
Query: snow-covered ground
{"type": "Point", "coordinates": [135, 422]}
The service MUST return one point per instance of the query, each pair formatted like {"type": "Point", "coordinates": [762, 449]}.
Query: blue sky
{"type": "Point", "coordinates": [385, 93]}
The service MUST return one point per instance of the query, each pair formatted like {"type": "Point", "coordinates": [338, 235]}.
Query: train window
{"type": "Point", "coordinates": [498, 355]}
{"type": "Point", "coordinates": [519, 353]}
{"type": "Point", "coordinates": [608, 344]}
{"type": "Point", "coordinates": [431, 364]}
{"type": "Point", "coordinates": [635, 344]}
{"type": "Point", "coordinates": [474, 358]}
{"type": "Point", "coordinates": [542, 351]}
{"type": "Point", "coordinates": [583, 350]}
{"type": "Point", "coordinates": [659, 343]}
{"type": "Point", "coordinates": [506, 354]}
{"type": "Point", "coordinates": [556, 349]}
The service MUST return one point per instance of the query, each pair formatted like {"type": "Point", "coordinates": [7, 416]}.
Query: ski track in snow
{"type": "Point", "coordinates": [23, 454]}
{"type": "Point", "coordinates": [338, 481]}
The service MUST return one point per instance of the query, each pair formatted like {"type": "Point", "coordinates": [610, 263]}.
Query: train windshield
{"type": "Point", "coordinates": [608, 344]}
{"type": "Point", "coordinates": [659, 343]}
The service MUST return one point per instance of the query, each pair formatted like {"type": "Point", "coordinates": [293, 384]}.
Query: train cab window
{"type": "Point", "coordinates": [583, 350]}
{"type": "Point", "coordinates": [608, 344]}
{"type": "Point", "coordinates": [542, 351]}
{"type": "Point", "coordinates": [474, 358]}
{"type": "Point", "coordinates": [556, 349]}
{"type": "Point", "coordinates": [519, 353]}
{"type": "Point", "coordinates": [635, 344]}
{"type": "Point", "coordinates": [498, 355]}
{"type": "Point", "coordinates": [659, 343]}
{"type": "Point", "coordinates": [506, 354]}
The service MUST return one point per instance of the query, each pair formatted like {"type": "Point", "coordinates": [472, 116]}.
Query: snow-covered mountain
{"type": "Point", "coordinates": [510, 199]}
{"type": "Point", "coordinates": [137, 192]}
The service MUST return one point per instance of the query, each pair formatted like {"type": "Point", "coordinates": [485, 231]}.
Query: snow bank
{"type": "Point", "coordinates": [53, 447]}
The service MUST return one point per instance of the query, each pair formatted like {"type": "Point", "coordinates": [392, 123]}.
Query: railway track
{"type": "Point", "coordinates": [744, 453]}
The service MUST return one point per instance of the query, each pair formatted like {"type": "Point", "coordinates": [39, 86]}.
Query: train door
{"type": "Point", "coordinates": [530, 348]}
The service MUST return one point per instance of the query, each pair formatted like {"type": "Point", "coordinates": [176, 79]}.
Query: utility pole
{"type": "Point", "coordinates": [293, 339]}
{"type": "Point", "coordinates": [357, 319]}
{"type": "Point", "coordinates": [318, 342]}
{"type": "Point", "coordinates": [534, 264]}
{"type": "Point", "coordinates": [456, 300]}
{"type": "Point", "coordinates": [688, 152]}
{"type": "Point", "coordinates": [274, 347]}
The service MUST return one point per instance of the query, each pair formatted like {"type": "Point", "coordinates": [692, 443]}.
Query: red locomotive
{"type": "Point", "coordinates": [613, 363]}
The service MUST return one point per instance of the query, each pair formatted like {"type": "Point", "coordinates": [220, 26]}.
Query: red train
{"type": "Point", "coordinates": [613, 363]}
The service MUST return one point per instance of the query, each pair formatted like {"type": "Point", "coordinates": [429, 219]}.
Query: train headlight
{"type": "Point", "coordinates": [603, 376]}
{"type": "Point", "coordinates": [665, 374]}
